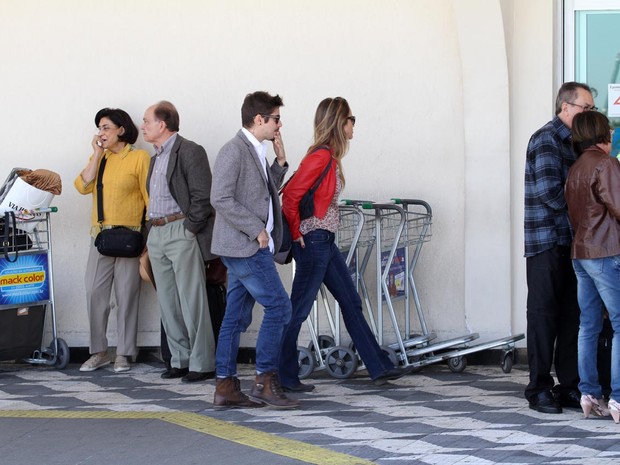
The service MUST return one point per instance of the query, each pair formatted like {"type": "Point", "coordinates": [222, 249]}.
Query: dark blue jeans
{"type": "Point", "coordinates": [321, 262]}
{"type": "Point", "coordinates": [250, 280]}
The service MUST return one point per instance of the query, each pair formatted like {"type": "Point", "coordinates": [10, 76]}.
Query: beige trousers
{"type": "Point", "coordinates": [101, 274]}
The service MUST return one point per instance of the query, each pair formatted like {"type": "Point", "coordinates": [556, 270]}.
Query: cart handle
{"type": "Point", "coordinates": [41, 210]}
{"type": "Point", "coordinates": [406, 202]}
{"type": "Point", "coordinates": [354, 202]}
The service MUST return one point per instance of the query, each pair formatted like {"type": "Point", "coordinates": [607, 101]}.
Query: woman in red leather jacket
{"type": "Point", "coordinates": [318, 260]}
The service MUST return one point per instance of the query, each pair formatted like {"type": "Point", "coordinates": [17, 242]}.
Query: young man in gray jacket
{"type": "Point", "coordinates": [248, 229]}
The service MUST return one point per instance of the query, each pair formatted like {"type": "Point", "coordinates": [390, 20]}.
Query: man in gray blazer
{"type": "Point", "coordinates": [248, 229]}
{"type": "Point", "coordinates": [181, 224]}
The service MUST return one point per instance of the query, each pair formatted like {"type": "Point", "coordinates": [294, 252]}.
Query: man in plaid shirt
{"type": "Point", "coordinates": [552, 309]}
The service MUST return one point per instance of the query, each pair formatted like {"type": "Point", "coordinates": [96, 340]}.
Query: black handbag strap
{"type": "Point", "coordinates": [320, 178]}
{"type": "Point", "coordinates": [100, 190]}
{"type": "Point", "coordinates": [317, 183]}
{"type": "Point", "coordinates": [8, 235]}
{"type": "Point", "coordinates": [100, 194]}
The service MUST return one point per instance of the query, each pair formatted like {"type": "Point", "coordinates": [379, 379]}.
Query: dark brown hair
{"type": "Point", "coordinates": [258, 103]}
{"type": "Point", "coordinates": [590, 128]}
{"type": "Point", "coordinates": [122, 120]}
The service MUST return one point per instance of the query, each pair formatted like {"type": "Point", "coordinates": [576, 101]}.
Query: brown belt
{"type": "Point", "coordinates": [166, 219]}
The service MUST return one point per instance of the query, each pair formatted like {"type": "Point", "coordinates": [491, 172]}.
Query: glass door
{"type": "Point", "coordinates": [592, 53]}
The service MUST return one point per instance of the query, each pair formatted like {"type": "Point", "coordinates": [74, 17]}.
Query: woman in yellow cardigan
{"type": "Point", "coordinates": [124, 201]}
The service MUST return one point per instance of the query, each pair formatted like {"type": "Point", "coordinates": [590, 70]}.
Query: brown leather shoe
{"type": "Point", "coordinates": [267, 389]}
{"type": "Point", "coordinates": [228, 395]}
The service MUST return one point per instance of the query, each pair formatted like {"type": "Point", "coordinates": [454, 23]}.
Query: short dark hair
{"type": "Point", "coordinates": [167, 112]}
{"type": "Point", "coordinates": [590, 128]}
{"type": "Point", "coordinates": [121, 119]}
{"type": "Point", "coordinates": [258, 103]}
{"type": "Point", "coordinates": [568, 94]}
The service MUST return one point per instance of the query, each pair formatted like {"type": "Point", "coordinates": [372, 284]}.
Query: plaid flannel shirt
{"type": "Point", "coordinates": [549, 157]}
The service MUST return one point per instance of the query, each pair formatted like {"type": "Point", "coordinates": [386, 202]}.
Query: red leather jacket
{"type": "Point", "coordinates": [303, 179]}
{"type": "Point", "coordinates": [592, 193]}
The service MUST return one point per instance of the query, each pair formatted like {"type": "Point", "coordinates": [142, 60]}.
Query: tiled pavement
{"type": "Point", "coordinates": [432, 417]}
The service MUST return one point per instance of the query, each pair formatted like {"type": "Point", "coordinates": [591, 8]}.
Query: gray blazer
{"type": "Point", "coordinates": [189, 181]}
{"type": "Point", "coordinates": [240, 195]}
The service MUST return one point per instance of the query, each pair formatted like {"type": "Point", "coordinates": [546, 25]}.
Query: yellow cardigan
{"type": "Point", "coordinates": [124, 188]}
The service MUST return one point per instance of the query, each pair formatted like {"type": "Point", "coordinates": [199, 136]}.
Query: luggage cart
{"type": "Point", "coordinates": [27, 291]}
{"type": "Point", "coordinates": [405, 223]}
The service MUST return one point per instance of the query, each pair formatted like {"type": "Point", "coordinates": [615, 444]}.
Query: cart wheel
{"type": "Point", "coordinates": [457, 364]}
{"type": "Point", "coordinates": [62, 357]}
{"type": "Point", "coordinates": [325, 342]}
{"type": "Point", "coordinates": [392, 355]}
{"type": "Point", "coordinates": [414, 359]}
{"type": "Point", "coordinates": [341, 362]}
{"type": "Point", "coordinates": [306, 362]}
{"type": "Point", "coordinates": [507, 362]}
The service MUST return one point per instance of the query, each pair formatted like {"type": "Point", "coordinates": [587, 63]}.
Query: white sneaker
{"type": "Point", "coordinates": [95, 362]}
{"type": "Point", "coordinates": [121, 364]}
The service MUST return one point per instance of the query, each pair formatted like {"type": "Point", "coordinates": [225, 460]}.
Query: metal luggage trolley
{"type": "Point", "coordinates": [405, 224]}
{"type": "Point", "coordinates": [356, 239]}
{"type": "Point", "coordinates": [27, 290]}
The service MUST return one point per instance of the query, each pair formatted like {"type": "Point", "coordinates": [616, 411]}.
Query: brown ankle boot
{"type": "Point", "coordinates": [267, 389]}
{"type": "Point", "coordinates": [228, 395]}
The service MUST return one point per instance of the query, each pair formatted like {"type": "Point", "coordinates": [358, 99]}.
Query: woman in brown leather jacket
{"type": "Point", "coordinates": [593, 196]}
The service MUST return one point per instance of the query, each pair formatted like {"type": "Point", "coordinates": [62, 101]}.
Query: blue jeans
{"type": "Point", "coordinates": [252, 279]}
{"type": "Point", "coordinates": [321, 262]}
{"type": "Point", "coordinates": [598, 287]}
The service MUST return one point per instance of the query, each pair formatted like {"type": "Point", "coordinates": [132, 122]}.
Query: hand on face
{"type": "Point", "coordinates": [278, 147]}
{"type": "Point", "coordinates": [97, 145]}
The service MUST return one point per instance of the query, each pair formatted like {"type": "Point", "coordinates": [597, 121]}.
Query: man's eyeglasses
{"type": "Point", "coordinates": [276, 118]}
{"type": "Point", "coordinates": [584, 107]}
{"type": "Point", "coordinates": [352, 118]}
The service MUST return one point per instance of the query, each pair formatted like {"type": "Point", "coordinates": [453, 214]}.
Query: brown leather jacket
{"type": "Point", "coordinates": [592, 193]}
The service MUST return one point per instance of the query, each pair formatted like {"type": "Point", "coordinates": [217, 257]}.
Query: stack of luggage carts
{"type": "Point", "coordinates": [386, 239]}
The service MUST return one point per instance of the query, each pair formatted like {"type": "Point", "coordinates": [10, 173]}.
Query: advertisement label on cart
{"type": "Point", "coordinates": [25, 280]}
{"type": "Point", "coordinates": [396, 279]}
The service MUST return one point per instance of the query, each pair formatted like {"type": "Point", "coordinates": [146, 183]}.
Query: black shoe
{"type": "Point", "coordinates": [569, 399]}
{"type": "Point", "coordinates": [174, 373]}
{"type": "Point", "coordinates": [195, 376]}
{"type": "Point", "coordinates": [544, 402]}
{"type": "Point", "coordinates": [300, 387]}
{"type": "Point", "coordinates": [392, 374]}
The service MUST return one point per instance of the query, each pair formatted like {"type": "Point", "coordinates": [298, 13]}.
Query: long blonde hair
{"type": "Point", "coordinates": [329, 122]}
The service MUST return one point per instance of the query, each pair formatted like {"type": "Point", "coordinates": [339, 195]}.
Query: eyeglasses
{"type": "Point", "coordinates": [105, 128]}
{"type": "Point", "coordinates": [352, 118]}
{"type": "Point", "coordinates": [584, 107]}
{"type": "Point", "coordinates": [276, 118]}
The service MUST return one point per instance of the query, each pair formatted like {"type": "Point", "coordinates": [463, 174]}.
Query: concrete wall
{"type": "Point", "coordinates": [446, 94]}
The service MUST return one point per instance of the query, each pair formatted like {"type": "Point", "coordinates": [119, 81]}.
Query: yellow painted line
{"type": "Point", "coordinates": [210, 426]}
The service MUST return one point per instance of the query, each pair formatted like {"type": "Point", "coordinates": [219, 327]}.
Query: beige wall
{"type": "Point", "coordinates": [446, 93]}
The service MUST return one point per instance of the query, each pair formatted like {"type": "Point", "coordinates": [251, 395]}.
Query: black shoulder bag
{"type": "Point", "coordinates": [118, 241]}
{"type": "Point", "coordinates": [306, 210]}
{"type": "Point", "coordinates": [306, 204]}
